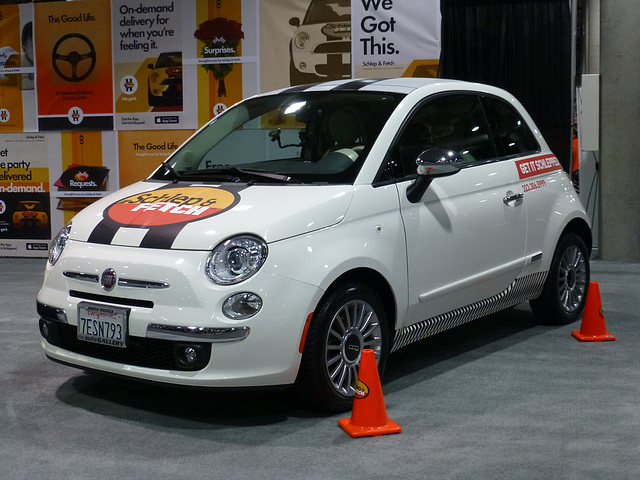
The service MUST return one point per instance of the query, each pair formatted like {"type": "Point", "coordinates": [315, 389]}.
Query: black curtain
{"type": "Point", "coordinates": [523, 46]}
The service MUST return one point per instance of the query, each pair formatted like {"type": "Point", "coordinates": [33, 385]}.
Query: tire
{"type": "Point", "coordinates": [565, 290]}
{"type": "Point", "coordinates": [348, 319]}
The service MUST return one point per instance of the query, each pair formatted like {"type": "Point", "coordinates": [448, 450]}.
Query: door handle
{"type": "Point", "coordinates": [513, 198]}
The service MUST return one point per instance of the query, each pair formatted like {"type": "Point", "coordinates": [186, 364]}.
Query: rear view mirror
{"type": "Point", "coordinates": [432, 163]}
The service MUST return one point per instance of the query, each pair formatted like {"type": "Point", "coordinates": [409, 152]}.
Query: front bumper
{"type": "Point", "coordinates": [164, 323]}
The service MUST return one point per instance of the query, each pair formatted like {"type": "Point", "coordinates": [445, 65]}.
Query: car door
{"type": "Point", "coordinates": [466, 236]}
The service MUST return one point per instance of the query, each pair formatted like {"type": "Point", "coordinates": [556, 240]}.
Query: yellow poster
{"type": "Point", "coordinates": [141, 152]}
{"type": "Point", "coordinates": [219, 35]}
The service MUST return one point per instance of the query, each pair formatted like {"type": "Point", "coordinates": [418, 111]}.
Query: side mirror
{"type": "Point", "coordinates": [432, 163]}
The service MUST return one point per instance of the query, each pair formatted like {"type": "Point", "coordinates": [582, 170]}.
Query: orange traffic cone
{"type": "Point", "coordinates": [369, 415]}
{"type": "Point", "coordinates": [593, 328]}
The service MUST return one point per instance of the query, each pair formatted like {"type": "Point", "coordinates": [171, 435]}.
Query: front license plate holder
{"type": "Point", "coordinates": [103, 324]}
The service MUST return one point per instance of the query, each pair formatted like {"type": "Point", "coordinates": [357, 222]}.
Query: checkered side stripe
{"type": "Point", "coordinates": [520, 290]}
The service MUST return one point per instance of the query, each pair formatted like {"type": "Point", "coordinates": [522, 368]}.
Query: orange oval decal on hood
{"type": "Point", "coordinates": [170, 206]}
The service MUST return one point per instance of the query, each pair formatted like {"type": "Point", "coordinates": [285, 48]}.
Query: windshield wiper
{"type": "Point", "coordinates": [177, 177]}
{"type": "Point", "coordinates": [237, 174]}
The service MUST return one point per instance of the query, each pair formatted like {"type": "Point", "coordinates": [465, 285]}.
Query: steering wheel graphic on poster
{"type": "Point", "coordinates": [67, 51]}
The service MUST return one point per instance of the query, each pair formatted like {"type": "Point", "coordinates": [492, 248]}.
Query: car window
{"type": "Point", "coordinates": [323, 11]}
{"type": "Point", "coordinates": [510, 132]}
{"type": "Point", "coordinates": [454, 122]}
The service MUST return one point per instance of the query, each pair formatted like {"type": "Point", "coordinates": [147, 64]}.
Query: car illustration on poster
{"type": "Point", "coordinates": [320, 48]}
{"type": "Point", "coordinates": [30, 215]}
{"type": "Point", "coordinates": [303, 226]}
{"type": "Point", "coordinates": [165, 80]}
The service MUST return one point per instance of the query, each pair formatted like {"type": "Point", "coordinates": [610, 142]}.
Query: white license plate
{"type": "Point", "coordinates": [102, 324]}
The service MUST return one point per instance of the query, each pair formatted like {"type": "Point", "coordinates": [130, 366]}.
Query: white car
{"type": "Point", "coordinates": [303, 226]}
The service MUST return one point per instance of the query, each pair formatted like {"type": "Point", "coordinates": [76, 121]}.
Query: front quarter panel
{"type": "Point", "coordinates": [371, 238]}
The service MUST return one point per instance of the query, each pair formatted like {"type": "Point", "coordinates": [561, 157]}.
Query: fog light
{"type": "Point", "coordinates": [44, 329]}
{"type": "Point", "coordinates": [242, 305]}
{"type": "Point", "coordinates": [190, 355]}
{"type": "Point", "coordinates": [49, 331]}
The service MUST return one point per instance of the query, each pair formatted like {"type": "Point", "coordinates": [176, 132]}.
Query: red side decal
{"type": "Point", "coordinates": [537, 166]}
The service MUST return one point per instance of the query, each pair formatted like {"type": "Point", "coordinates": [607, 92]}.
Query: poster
{"type": "Point", "coordinates": [393, 38]}
{"type": "Point", "coordinates": [17, 93]}
{"type": "Point", "coordinates": [304, 41]}
{"type": "Point", "coordinates": [226, 44]}
{"type": "Point", "coordinates": [73, 65]}
{"type": "Point", "coordinates": [141, 152]}
{"type": "Point", "coordinates": [83, 170]}
{"type": "Point", "coordinates": [25, 224]}
{"type": "Point", "coordinates": [148, 64]}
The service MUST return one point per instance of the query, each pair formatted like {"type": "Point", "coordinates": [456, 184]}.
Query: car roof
{"type": "Point", "coordinates": [404, 85]}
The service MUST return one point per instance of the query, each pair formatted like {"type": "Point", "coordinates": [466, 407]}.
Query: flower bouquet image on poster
{"type": "Point", "coordinates": [221, 38]}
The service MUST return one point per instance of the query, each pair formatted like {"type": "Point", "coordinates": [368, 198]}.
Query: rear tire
{"type": "Point", "coordinates": [565, 290]}
{"type": "Point", "coordinates": [348, 320]}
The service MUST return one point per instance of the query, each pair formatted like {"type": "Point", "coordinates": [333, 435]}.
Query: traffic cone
{"type": "Point", "coordinates": [593, 328]}
{"type": "Point", "coordinates": [369, 415]}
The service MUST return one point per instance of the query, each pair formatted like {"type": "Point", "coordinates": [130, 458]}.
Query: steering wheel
{"type": "Point", "coordinates": [73, 57]}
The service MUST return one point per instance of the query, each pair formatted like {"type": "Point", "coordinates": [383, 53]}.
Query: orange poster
{"type": "Point", "coordinates": [141, 152]}
{"type": "Point", "coordinates": [17, 97]}
{"type": "Point", "coordinates": [74, 66]}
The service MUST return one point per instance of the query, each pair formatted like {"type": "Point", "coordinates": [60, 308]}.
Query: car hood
{"type": "Point", "coordinates": [195, 216]}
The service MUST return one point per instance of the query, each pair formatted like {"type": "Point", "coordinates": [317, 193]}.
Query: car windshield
{"type": "Point", "coordinates": [302, 137]}
{"type": "Point", "coordinates": [323, 11]}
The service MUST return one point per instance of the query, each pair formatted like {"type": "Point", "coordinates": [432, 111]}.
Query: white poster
{"type": "Point", "coordinates": [395, 38]}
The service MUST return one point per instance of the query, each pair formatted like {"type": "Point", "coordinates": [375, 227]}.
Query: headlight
{"type": "Point", "coordinates": [236, 259]}
{"type": "Point", "coordinates": [58, 243]}
{"type": "Point", "coordinates": [301, 40]}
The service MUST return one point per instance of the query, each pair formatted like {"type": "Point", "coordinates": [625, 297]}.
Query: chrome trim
{"type": "Point", "coordinates": [125, 282]}
{"type": "Point", "coordinates": [122, 282]}
{"type": "Point", "coordinates": [85, 277]}
{"type": "Point", "coordinates": [197, 334]}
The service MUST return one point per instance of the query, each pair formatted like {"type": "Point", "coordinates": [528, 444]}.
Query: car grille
{"type": "Point", "coordinates": [140, 352]}
{"type": "Point", "coordinates": [333, 47]}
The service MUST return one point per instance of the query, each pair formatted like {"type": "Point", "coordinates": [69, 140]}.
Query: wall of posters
{"type": "Point", "coordinates": [94, 94]}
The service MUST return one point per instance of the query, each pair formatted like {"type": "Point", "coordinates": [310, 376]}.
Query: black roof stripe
{"type": "Point", "coordinates": [358, 84]}
{"type": "Point", "coordinates": [347, 85]}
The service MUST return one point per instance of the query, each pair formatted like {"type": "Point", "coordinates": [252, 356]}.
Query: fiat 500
{"type": "Point", "coordinates": [300, 227]}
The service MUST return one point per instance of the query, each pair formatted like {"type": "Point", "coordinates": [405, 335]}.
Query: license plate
{"type": "Point", "coordinates": [102, 324]}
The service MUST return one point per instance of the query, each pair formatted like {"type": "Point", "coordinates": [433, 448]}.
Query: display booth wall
{"type": "Point", "coordinates": [96, 93]}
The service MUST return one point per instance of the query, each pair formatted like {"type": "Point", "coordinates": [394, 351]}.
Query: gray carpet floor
{"type": "Point", "coordinates": [501, 398]}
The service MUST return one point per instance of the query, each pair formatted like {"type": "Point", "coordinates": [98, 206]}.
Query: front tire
{"type": "Point", "coordinates": [348, 320]}
{"type": "Point", "coordinates": [565, 290]}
